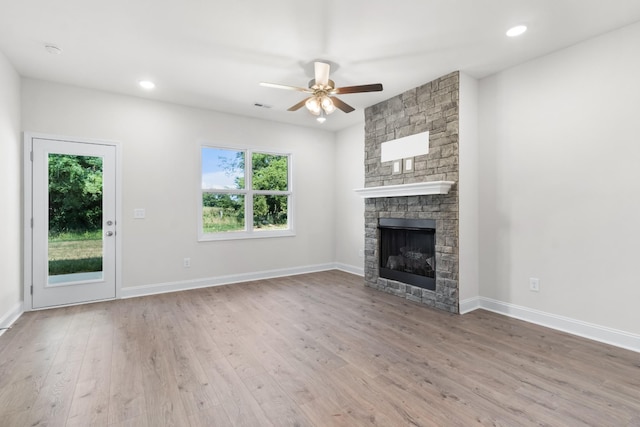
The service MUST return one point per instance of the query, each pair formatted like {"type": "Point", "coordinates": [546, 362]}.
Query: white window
{"type": "Point", "coordinates": [244, 193]}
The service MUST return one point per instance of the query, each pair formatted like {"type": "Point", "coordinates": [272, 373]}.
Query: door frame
{"type": "Point", "coordinates": [28, 211]}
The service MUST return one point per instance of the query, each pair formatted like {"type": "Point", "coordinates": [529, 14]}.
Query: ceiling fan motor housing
{"type": "Point", "coordinates": [330, 85]}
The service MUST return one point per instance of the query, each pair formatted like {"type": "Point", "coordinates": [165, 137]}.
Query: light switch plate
{"type": "Point", "coordinates": [408, 165]}
{"type": "Point", "coordinates": [534, 284]}
{"type": "Point", "coordinates": [396, 167]}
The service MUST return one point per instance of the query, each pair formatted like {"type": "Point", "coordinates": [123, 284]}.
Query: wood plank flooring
{"type": "Point", "coordinates": [311, 350]}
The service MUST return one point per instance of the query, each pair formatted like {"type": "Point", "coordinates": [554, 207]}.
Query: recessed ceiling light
{"type": "Point", "coordinates": [516, 31]}
{"type": "Point", "coordinates": [53, 49]}
{"type": "Point", "coordinates": [146, 84]}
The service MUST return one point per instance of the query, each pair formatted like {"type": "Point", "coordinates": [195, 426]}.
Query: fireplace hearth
{"type": "Point", "coordinates": [407, 251]}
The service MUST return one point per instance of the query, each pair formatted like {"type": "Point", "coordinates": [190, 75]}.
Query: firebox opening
{"type": "Point", "coordinates": [407, 251]}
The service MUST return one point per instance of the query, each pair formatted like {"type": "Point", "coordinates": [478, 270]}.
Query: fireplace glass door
{"type": "Point", "coordinates": [407, 251]}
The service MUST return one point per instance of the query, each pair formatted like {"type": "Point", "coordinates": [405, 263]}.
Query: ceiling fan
{"type": "Point", "coordinates": [322, 100]}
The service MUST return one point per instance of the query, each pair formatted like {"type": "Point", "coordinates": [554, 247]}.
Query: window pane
{"type": "Point", "coordinates": [270, 212]}
{"type": "Point", "coordinates": [222, 212]}
{"type": "Point", "coordinates": [222, 169]}
{"type": "Point", "coordinates": [75, 217]}
{"type": "Point", "coordinates": [270, 172]}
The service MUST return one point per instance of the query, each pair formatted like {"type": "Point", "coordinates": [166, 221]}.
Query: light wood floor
{"type": "Point", "coordinates": [317, 349]}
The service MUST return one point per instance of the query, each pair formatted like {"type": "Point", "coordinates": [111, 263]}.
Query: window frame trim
{"type": "Point", "coordinates": [249, 232]}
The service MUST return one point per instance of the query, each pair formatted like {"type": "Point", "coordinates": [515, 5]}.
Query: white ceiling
{"type": "Point", "coordinates": [213, 53]}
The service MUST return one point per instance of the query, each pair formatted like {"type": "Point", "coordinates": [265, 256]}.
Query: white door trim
{"type": "Point", "coordinates": [28, 208]}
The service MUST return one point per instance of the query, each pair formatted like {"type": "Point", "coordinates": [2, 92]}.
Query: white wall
{"type": "Point", "coordinates": [468, 191]}
{"type": "Point", "coordinates": [160, 145]}
{"type": "Point", "coordinates": [10, 194]}
{"type": "Point", "coordinates": [349, 207]}
{"type": "Point", "coordinates": [560, 182]}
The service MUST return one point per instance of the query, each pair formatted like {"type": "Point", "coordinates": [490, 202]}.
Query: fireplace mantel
{"type": "Point", "coordinates": [413, 189]}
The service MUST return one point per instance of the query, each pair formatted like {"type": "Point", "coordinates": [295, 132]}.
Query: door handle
{"type": "Point", "coordinates": [109, 233]}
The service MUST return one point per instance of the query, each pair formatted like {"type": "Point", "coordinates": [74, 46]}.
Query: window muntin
{"type": "Point", "coordinates": [245, 193]}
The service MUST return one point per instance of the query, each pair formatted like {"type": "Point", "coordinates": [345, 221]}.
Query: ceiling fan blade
{"type": "Point", "coordinates": [341, 105]}
{"type": "Point", "coordinates": [298, 105]}
{"type": "Point", "coordinates": [322, 73]}
{"type": "Point", "coordinates": [278, 86]}
{"type": "Point", "coordinates": [376, 87]}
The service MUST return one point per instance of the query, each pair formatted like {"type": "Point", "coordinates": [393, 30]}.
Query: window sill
{"type": "Point", "coordinates": [241, 235]}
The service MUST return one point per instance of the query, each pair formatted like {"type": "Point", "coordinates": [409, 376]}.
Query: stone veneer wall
{"type": "Point", "coordinates": [431, 107]}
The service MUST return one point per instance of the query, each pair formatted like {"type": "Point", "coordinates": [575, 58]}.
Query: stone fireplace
{"type": "Point", "coordinates": [433, 107]}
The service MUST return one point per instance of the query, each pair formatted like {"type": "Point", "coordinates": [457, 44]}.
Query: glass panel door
{"type": "Point", "coordinates": [73, 222]}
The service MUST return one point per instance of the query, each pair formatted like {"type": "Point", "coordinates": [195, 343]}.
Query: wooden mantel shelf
{"type": "Point", "coordinates": [414, 189]}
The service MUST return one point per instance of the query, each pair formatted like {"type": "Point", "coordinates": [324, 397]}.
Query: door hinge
{"type": "Point", "coordinates": [31, 222]}
{"type": "Point", "coordinates": [31, 289]}
{"type": "Point", "coordinates": [31, 155]}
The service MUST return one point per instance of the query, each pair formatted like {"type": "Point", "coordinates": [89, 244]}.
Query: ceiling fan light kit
{"type": "Point", "coordinates": [321, 88]}
{"type": "Point", "coordinates": [313, 105]}
{"type": "Point", "coordinates": [327, 105]}
{"type": "Point", "coordinates": [320, 104]}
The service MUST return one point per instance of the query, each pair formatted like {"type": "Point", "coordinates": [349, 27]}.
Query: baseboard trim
{"type": "Point", "coordinates": [591, 331]}
{"type": "Point", "coordinates": [161, 288]}
{"type": "Point", "coordinates": [469, 305]}
{"type": "Point", "coordinates": [11, 316]}
{"type": "Point", "coordinates": [358, 271]}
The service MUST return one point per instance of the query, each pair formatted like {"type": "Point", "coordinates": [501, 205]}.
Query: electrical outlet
{"type": "Point", "coordinates": [187, 263]}
{"type": "Point", "coordinates": [534, 284]}
{"type": "Point", "coordinates": [139, 213]}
